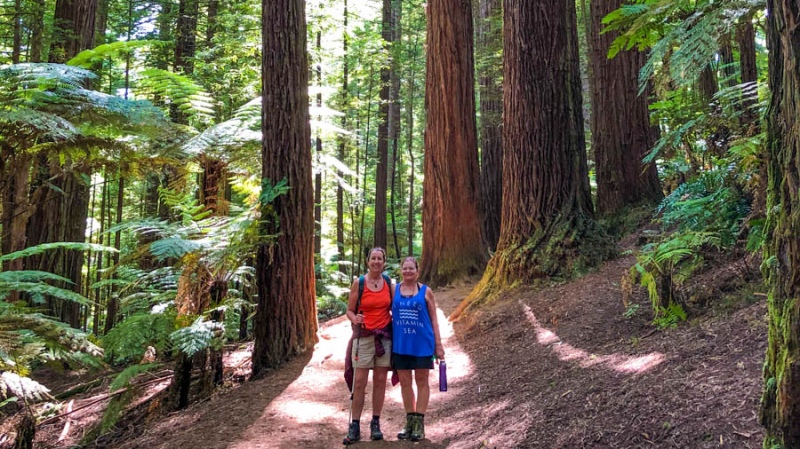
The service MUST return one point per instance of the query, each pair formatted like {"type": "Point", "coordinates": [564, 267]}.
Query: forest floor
{"type": "Point", "coordinates": [559, 367]}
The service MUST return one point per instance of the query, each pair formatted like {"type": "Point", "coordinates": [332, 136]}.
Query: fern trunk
{"type": "Point", "coordinates": [286, 317]}
{"type": "Point", "coordinates": [780, 403]}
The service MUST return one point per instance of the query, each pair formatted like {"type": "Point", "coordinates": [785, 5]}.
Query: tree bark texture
{"type": "Point", "coordinates": [380, 236]}
{"type": "Point", "coordinates": [15, 170]}
{"type": "Point", "coordinates": [286, 317]}
{"type": "Point", "coordinates": [547, 227]}
{"type": "Point", "coordinates": [37, 32]}
{"type": "Point", "coordinates": [491, 135]}
{"type": "Point", "coordinates": [318, 174]}
{"type": "Point", "coordinates": [452, 243]}
{"type": "Point", "coordinates": [780, 403]}
{"type": "Point", "coordinates": [111, 304]}
{"type": "Point", "coordinates": [342, 151]}
{"type": "Point", "coordinates": [620, 139]}
{"type": "Point", "coordinates": [61, 201]}
{"type": "Point", "coordinates": [16, 46]}
{"type": "Point", "coordinates": [73, 29]}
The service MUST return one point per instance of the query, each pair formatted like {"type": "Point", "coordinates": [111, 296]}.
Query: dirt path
{"type": "Point", "coordinates": [305, 404]}
{"type": "Point", "coordinates": [560, 367]}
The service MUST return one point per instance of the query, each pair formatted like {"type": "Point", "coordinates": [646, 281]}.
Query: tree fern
{"type": "Point", "coordinates": [197, 337]}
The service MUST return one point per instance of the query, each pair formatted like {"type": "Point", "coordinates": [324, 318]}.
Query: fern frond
{"type": "Point", "coordinates": [196, 337]}
{"type": "Point", "coordinates": [89, 58]}
{"type": "Point", "coordinates": [22, 387]}
{"type": "Point", "coordinates": [123, 379]}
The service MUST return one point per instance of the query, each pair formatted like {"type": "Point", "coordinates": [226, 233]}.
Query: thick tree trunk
{"type": "Point", "coordinates": [286, 316]}
{"type": "Point", "coordinates": [60, 216]}
{"type": "Point", "coordinates": [73, 29]}
{"type": "Point", "coordinates": [452, 243]}
{"type": "Point", "coordinates": [619, 140]}
{"type": "Point", "coordinates": [547, 228]}
{"type": "Point", "coordinates": [380, 237]}
{"type": "Point", "coordinates": [16, 208]}
{"type": "Point", "coordinates": [491, 105]}
{"type": "Point", "coordinates": [780, 403]}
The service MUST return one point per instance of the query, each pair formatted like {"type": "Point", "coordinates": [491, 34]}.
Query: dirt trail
{"type": "Point", "coordinates": [305, 403]}
{"type": "Point", "coordinates": [559, 367]}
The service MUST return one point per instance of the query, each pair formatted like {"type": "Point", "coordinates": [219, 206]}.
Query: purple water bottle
{"type": "Point", "coordinates": [442, 376]}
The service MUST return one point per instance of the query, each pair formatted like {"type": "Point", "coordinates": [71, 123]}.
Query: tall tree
{"type": "Point", "coordinates": [491, 106]}
{"type": "Point", "coordinates": [286, 322]}
{"type": "Point", "coordinates": [341, 149]}
{"type": "Point", "coordinates": [780, 403]}
{"type": "Point", "coordinates": [547, 227]}
{"type": "Point", "coordinates": [73, 28]}
{"type": "Point", "coordinates": [452, 245]}
{"type": "Point", "coordinates": [619, 140]}
{"type": "Point", "coordinates": [381, 171]}
{"type": "Point", "coordinates": [60, 193]}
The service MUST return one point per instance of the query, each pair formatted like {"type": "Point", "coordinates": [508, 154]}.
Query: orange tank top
{"type": "Point", "coordinates": [377, 307]}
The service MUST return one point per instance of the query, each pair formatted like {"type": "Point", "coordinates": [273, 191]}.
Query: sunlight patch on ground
{"type": "Point", "coordinates": [299, 410]}
{"type": "Point", "coordinates": [566, 352]}
{"type": "Point", "coordinates": [318, 398]}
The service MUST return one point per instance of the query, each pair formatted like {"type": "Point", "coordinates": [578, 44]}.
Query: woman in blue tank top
{"type": "Point", "coordinates": [415, 341]}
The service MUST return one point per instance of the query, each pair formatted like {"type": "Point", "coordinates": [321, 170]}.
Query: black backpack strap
{"type": "Point", "coordinates": [360, 292]}
{"type": "Point", "coordinates": [388, 284]}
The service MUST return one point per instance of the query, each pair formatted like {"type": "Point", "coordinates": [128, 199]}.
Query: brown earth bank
{"type": "Point", "coordinates": [558, 367]}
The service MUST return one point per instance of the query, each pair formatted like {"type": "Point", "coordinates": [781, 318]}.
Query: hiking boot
{"type": "Point", "coordinates": [375, 430]}
{"type": "Point", "coordinates": [353, 433]}
{"type": "Point", "coordinates": [418, 428]}
{"type": "Point", "coordinates": [406, 432]}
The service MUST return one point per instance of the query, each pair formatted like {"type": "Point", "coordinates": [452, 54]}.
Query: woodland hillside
{"type": "Point", "coordinates": [604, 194]}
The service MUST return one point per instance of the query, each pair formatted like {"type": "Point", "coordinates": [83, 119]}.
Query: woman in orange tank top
{"type": "Point", "coordinates": [372, 348]}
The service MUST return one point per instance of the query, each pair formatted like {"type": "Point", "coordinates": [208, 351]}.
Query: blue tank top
{"type": "Point", "coordinates": [412, 331]}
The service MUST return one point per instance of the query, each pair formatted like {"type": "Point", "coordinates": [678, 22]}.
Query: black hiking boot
{"type": "Point", "coordinates": [418, 428]}
{"type": "Point", "coordinates": [353, 433]}
{"type": "Point", "coordinates": [375, 430]}
{"type": "Point", "coordinates": [406, 432]}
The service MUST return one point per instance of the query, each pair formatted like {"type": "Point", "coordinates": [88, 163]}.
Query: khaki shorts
{"type": "Point", "coordinates": [366, 353]}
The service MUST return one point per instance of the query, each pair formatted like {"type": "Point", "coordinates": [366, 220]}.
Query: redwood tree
{"type": "Point", "coordinates": [452, 245]}
{"type": "Point", "coordinates": [286, 317]}
{"type": "Point", "coordinates": [491, 105]}
{"type": "Point", "coordinates": [547, 226]}
{"type": "Point", "coordinates": [384, 109]}
{"type": "Point", "coordinates": [620, 139]}
{"type": "Point", "coordinates": [780, 404]}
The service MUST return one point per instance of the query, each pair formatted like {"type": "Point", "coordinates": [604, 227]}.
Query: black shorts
{"type": "Point", "coordinates": [408, 362]}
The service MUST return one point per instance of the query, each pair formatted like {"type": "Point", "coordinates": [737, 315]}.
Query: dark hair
{"type": "Point", "coordinates": [377, 248]}
{"type": "Point", "coordinates": [411, 259]}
